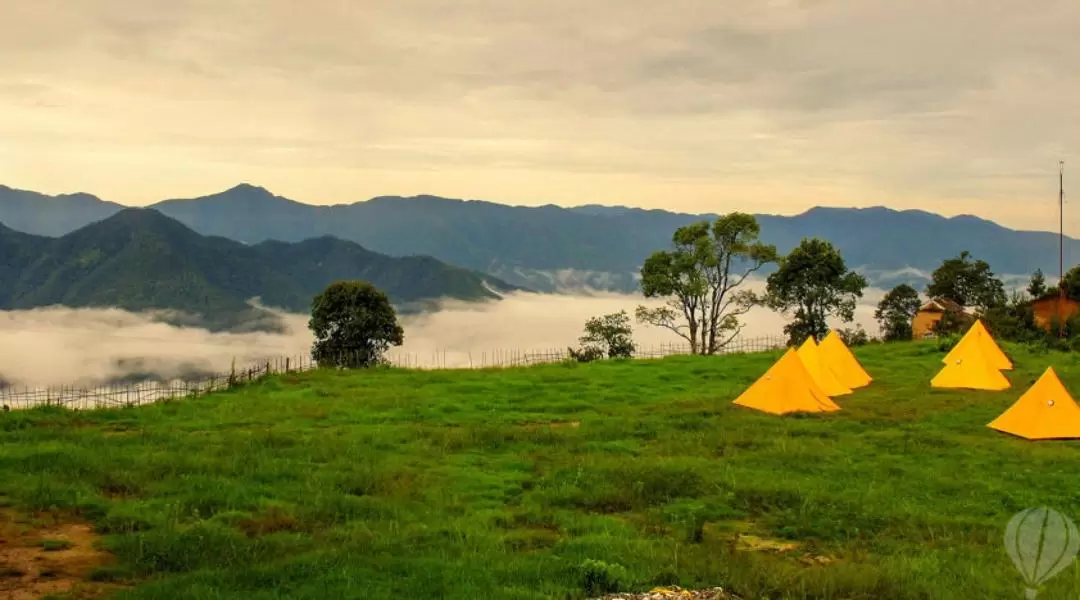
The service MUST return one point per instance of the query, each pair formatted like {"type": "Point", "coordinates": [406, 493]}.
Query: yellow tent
{"type": "Point", "coordinates": [1045, 411]}
{"type": "Point", "coordinates": [970, 370]}
{"type": "Point", "coordinates": [822, 375]}
{"type": "Point", "coordinates": [977, 334]}
{"type": "Point", "coordinates": [786, 387]}
{"type": "Point", "coordinates": [842, 362]}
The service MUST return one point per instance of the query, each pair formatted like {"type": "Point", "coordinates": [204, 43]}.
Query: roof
{"type": "Point", "coordinates": [942, 305]}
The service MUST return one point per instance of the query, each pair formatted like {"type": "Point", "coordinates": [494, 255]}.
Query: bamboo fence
{"type": "Point", "coordinates": [149, 392]}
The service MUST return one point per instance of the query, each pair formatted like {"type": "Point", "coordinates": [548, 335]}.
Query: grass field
{"type": "Point", "coordinates": [557, 481]}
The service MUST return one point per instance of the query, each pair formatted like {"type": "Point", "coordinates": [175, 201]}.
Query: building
{"type": "Point", "coordinates": [1051, 307]}
{"type": "Point", "coordinates": [922, 326]}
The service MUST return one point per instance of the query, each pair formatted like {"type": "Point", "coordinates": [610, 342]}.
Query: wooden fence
{"type": "Point", "coordinates": [148, 392]}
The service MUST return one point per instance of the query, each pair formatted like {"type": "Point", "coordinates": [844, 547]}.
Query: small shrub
{"type": "Point", "coordinates": [854, 337]}
{"type": "Point", "coordinates": [55, 545]}
{"type": "Point", "coordinates": [600, 578]}
{"type": "Point", "coordinates": [947, 342]}
{"type": "Point", "coordinates": [586, 354]}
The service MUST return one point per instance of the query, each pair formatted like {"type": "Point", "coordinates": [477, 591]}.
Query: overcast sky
{"type": "Point", "coordinates": [954, 106]}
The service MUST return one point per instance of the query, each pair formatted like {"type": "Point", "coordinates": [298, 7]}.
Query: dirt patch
{"type": "Point", "coordinates": [674, 593]}
{"type": "Point", "coordinates": [738, 533]}
{"type": "Point", "coordinates": [273, 520]}
{"type": "Point", "coordinates": [754, 543]}
{"type": "Point", "coordinates": [48, 556]}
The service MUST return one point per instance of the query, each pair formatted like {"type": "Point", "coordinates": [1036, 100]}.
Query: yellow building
{"type": "Point", "coordinates": [922, 326]}
{"type": "Point", "coordinates": [1052, 307]}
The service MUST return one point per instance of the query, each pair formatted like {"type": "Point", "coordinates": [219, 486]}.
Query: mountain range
{"type": "Point", "coordinates": [139, 259]}
{"type": "Point", "coordinates": [548, 248]}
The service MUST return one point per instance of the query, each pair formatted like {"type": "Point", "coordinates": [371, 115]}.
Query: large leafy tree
{"type": "Point", "coordinates": [701, 278]}
{"type": "Point", "coordinates": [354, 325]}
{"type": "Point", "coordinates": [812, 284]}
{"type": "Point", "coordinates": [968, 282]}
{"type": "Point", "coordinates": [895, 312]}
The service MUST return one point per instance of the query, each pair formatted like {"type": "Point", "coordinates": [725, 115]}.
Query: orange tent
{"type": "Point", "coordinates": [822, 375]}
{"type": "Point", "coordinates": [978, 335]}
{"type": "Point", "coordinates": [1045, 411]}
{"type": "Point", "coordinates": [970, 370]}
{"type": "Point", "coordinates": [786, 387]}
{"type": "Point", "coordinates": [842, 362]}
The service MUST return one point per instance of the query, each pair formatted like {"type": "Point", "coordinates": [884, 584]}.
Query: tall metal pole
{"type": "Point", "coordinates": [1061, 248]}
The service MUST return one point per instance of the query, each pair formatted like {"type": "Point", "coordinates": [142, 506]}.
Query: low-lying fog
{"type": "Point", "coordinates": [87, 347]}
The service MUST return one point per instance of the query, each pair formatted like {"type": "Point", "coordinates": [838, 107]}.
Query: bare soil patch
{"type": "Point", "coordinates": [48, 555]}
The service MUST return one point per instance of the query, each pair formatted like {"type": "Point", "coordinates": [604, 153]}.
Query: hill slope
{"type": "Point", "coordinates": [548, 246]}
{"type": "Point", "coordinates": [140, 259]}
{"type": "Point", "coordinates": [531, 485]}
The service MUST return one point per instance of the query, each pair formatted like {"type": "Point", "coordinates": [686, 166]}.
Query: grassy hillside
{"type": "Point", "coordinates": [505, 484]}
{"type": "Point", "coordinates": [140, 259]}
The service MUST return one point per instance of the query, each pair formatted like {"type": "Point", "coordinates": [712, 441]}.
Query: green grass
{"type": "Point", "coordinates": [55, 545]}
{"type": "Point", "coordinates": [461, 484]}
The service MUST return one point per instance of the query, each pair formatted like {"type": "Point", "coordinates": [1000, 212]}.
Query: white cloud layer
{"type": "Point", "coordinates": [84, 347]}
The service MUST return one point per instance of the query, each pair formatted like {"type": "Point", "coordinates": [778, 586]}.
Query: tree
{"type": "Point", "coordinates": [1071, 282]}
{"type": "Point", "coordinates": [813, 283]}
{"type": "Point", "coordinates": [895, 312]}
{"type": "Point", "coordinates": [1037, 286]}
{"type": "Point", "coordinates": [354, 325]}
{"type": "Point", "coordinates": [611, 335]}
{"type": "Point", "coordinates": [967, 282]}
{"type": "Point", "coordinates": [701, 278]}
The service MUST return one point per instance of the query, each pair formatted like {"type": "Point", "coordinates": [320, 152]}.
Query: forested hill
{"type": "Point", "coordinates": [546, 246]}
{"type": "Point", "coordinates": [140, 259]}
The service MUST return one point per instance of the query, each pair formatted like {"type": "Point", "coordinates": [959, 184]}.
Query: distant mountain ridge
{"type": "Point", "coordinates": [140, 259]}
{"type": "Point", "coordinates": [551, 247]}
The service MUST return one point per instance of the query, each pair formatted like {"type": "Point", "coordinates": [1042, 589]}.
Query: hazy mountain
{"type": "Point", "coordinates": [141, 259]}
{"type": "Point", "coordinates": [549, 247]}
{"type": "Point", "coordinates": [31, 212]}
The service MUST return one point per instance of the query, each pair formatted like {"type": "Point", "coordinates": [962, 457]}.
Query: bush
{"type": "Point", "coordinates": [947, 342]}
{"type": "Point", "coordinates": [599, 578]}
{"type": "Point", "coordinates": [586, 354]}
{"type": "Point", "coordinates": [854, 337]}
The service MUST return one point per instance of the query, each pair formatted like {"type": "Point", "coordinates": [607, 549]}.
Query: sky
{"type": "Point", "coordinates": [770, 106]}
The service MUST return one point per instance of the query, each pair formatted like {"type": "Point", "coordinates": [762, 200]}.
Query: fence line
{"type": "Point", "coordinates": [148, 392]}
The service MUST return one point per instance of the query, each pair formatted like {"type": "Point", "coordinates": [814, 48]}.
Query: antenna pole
{"type": "Point", "coordinates": [1061, 248]}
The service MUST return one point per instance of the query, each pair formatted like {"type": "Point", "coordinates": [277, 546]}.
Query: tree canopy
{"type": "Point", "coordinates": [610, 334]}
{"type": "Point", "coordinates": [967, 282]}
{"type": "Point", "coordinates": [354, 325]}
{"type": "Point", "coordinates": [1037, 286]}
{"type": "Point", "coordinates": [812, 284]}
{"type": "Point", "coordinates": [895, 312]}
{"type": "Point", "coordinates": [701, 278]}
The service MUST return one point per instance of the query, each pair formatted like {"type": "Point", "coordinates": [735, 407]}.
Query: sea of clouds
{"type": "Point", "coordinates": [89, 347]}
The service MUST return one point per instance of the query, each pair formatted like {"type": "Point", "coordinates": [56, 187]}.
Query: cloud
{"type": "Point", "coordinates": [88, 347]}
{"type": "Point", "coordinates": [693, 105]}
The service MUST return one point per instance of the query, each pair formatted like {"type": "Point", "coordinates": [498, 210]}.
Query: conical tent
{"type": "Point", "coordinates": [786, 387]}
{"type": "Point", "coordinates": [837, 357]}
{"type": "Point", "coordinates": [970, 370]}
{"type": "Point", "coordinates": [1046, 411]}
{"type": "Point", "coordinates": [978, 334]}
{"type": "Point", "coordinates": [823, 376]}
